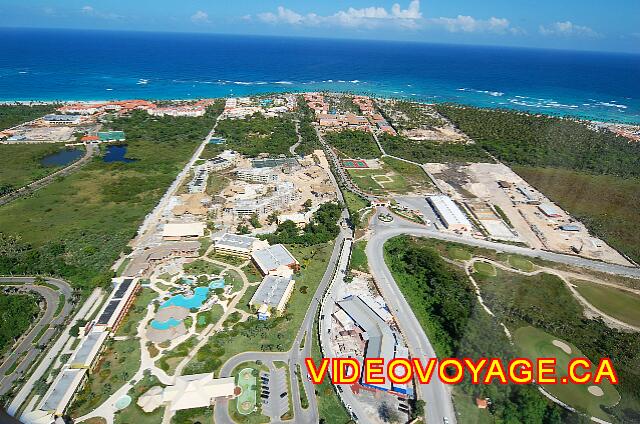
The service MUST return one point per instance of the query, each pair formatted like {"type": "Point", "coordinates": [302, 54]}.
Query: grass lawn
{"type": "Point", "coordinates": [466, 409]}
{"type": "Point", "coordinates": [137, 312]}
{"type": "Point", "coordinates": [620, 304]}
{"type": "Point", "coordinates": [354, 204]}
{"type": "Point", "coordinates": [209, 317]}
{"type": "Point", "coordinates": [379, 181]}
{"type": "Point", "coordinates": [228, 259]}
{"type": "Point", "coordinates": [353, 144]}
{"type": "Point", "coordinates": [200, 266]}
{"type": "Point", "coordinates": [216, 183]}
{"type": "Point", "coordinates": [251, 387]}
{"type": "Point", "coordinates": [133, 413]}
{"type": "Point", "coordinates": [607, 205]}
{"type": "Point", "coordinates": [232, 278]}
{"type": "Point", "coordinates": [359, 260]}
{"type": "Point", "coordinates": [170, 360]}
{"type": "Point", "coordinates": [534, 343]}
{"type": "Point", "coordinates": [521, 263]}
{"type": "Point", "coordinates": [192, 416]}
{"type": "Point", "coordinates": [120, 361]}
{"type": "Point", "coordinates": [20, 163]}
{"type": "Point", "coordinates": [415, 177]}
{"type": "Point", "coordinates": [304, 400]}
{"type": "Point", "coordinates": [459, 254]}
{"type": "Point", "coordinates": [484, 269]}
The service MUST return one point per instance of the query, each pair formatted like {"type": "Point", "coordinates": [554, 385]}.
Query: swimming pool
{"type": "Point", "coordinates": [165, 325]}
{"type": "Point", "coordinates": [217, 284]}
{"type": "Point", "coordinates": [195, 301]}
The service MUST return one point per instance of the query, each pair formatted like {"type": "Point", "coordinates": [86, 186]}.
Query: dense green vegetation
{"type": "Point", "coordinates": [12, 115]}
{"type": "Point", "coordinates": [77, 226]}
{"type": "Point", "coordinates": [444, 302]}
{"type": "Point", "coordinates": [353, 144]}
{"type": "Point", "coordinates": [321, 229]}
{"type": "Point", "coordinates": [20, 164]}
{"type": "Point", "coordinates": [309, 139]}
{"type": "Point", "coordinates": [544, 302]}
{"type": "Point", "coordinates": [606, 204]}
{"type": "Point", "coordinates": [406, 115]}
{"type": "Point", "coordinates": [258, 134]}
{"type": "Point", "coordinates": [432, 151]}
{"type": "Point", "coordinates": [523, 139]}
{"type": "Point", "coordinates": [354, 204]}
{"type": "Point", "coordinates": [17, 313]}
{"type": "Point", "coordinates": [620, 304]}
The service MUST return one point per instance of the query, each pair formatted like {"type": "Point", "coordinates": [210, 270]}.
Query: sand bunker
{"type": "Point", "coordinates": [596, 391]}
{"type": "Point", "coordinates": [562, 345]}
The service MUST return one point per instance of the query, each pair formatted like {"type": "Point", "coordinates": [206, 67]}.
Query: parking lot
{"type": "Point", "coordinates": [274, 385]}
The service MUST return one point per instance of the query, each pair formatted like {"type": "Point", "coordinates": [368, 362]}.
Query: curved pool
{"type": "Point", "coordinates": [194, 301]}
{"type": "Point", "coordinates": [165, 325]}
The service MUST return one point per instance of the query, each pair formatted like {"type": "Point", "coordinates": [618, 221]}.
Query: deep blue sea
{"type": "Point", "coordinates": [95, 65]}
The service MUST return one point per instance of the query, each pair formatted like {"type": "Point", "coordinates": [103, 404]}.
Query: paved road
{"type": "Point", "coordinates": [91, 150]}
{"type": "Point", "coordinates": [436, 395]}
{"type": "Point", "coordinates": [292, 148]}
{"type": "Point", "coordinates": [25, 345]}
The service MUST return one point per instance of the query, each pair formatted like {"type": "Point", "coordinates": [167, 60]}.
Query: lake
{"type": "Point", "coordinates": [117, 154]}
{"type": "Point", "coordinates": [62, 158]}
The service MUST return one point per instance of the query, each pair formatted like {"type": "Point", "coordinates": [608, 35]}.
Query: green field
{"type": "Point", "coordinates": [432, 150]}
{"type": "Point", "coordinates": [459, 254]}
{"type": "Point", "coordinates": [258, 134]}
{"type": "Point", "coordinates": [250, 388]}
{"type": "Point", "coordinates": [534, 343]}
{"type": "Point", "coordinates": [484, 269]}
{"type": "Point", "coordinates": [246, 401]}
{"type": "Point", "coordinates": [20, 163]}
{"type": "Point", "coordinates": [77, 226]}
{"type": "Point", "coordinates": [354, 204]}
{"type": "Point", "coordinates": [607, 205]}
{"type": "Point", "coordinates": [620, 304]}
{"type": "Point", "coordinates": [414, 176]}
{"type": "Point", "coordinates": [133, 413]}
{"type": "Point", "coordinates": [380, 182]}
{"type": "Point", "coordinates": [521, 263]}
{"type": "Point", "coordinates": [353, 144]}
{"type": "Point", "coordinates": [359, 260]}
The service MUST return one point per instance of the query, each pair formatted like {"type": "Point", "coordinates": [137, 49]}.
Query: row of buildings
{"type": "Point", "coordinates": [192, 109]}
{"type": "Point", "coordinates": [241, 107]}
{"type": "Point", "coordinates": [82, 362]}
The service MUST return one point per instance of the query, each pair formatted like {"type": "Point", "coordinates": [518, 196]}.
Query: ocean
{"type": "Point", "coordinates": [48, 65]}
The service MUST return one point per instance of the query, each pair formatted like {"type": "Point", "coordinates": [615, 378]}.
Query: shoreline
{"type": "Point", "coordinates": [559, 115]}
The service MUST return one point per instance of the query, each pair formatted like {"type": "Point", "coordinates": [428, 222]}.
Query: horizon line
{"type": "Point", "coordinates": [310, 37]}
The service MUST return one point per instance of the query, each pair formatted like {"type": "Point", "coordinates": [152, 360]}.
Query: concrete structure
{"type": "Point", "coordinates": [569, 227]}
{"type": "Point", "coordinates": [284, 195]}
{"type": "Point", "coordinates": [529, 194]}
{"type": "Point", "coordinates": [273, 294]}
{"type": "Point", "coordinates": [271, 258]}
{"type": "Point", "coordinates": [142, 262]}
{"type": "Point", "coordinates": [450, 214]}
{"type": "Point", "coordinates": [239, 245]}
{"type": "Point", "coordinates": [87, 352]}
{"type": "Point", "coordinates": [62, 389]}
{"type": "Point", "coordinates": [257, 175]}
{"type": "Point", "coordinates": [300, 219]}
{"type": "Point", "coordinates": [183, 231]}
{"type": "Point", "coordinates": [189, 391]}
{"type": "Point", "coordinates": [549, 210]}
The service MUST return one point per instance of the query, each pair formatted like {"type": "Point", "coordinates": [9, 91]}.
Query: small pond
{"type": "Point", "coordinates": [117, 153]}
{"type": "Point", "coordinates": [62, 158]}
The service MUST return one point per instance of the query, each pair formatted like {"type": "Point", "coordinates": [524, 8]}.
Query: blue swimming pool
{"type": "Point", "coordinates": [217, 284]}
{"type": "Point", "coordinates": [195, 301]}
{"type": "Point", "coordinates": [165, 325]}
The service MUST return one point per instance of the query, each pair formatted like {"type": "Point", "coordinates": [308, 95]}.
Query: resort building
{"type": "Point", "coordinates": [273, 294]}
{"type": "Point", "coordinates": [88, 349]}
{"type": "Point", "coordinates": [179, 249]}
{"type": "Point", "coordinates": [188, 392]}
{"type": "Point", "coordinates": [257, 175]}
{"type": "Point", "coordinates": [53, 119]}
{"type": "Point", "coordinates": [272, 258]}
{"type": "Point", "coordinates": [200, 178]}
{"type": "Point", "coordinates": [375, 334]}
{"type": "Point", "coordinates": [118, 303]}
{"type": "Point", "coordinates": [449, 213]}
{"type": "Point", "coordinates": [183, 231]}
{"type": "Point", "coordinates": [238, 245]}
{"type": "Point", "coordinates": [107, 136]}
{"type": "Point", "coordinates": [282, 198]}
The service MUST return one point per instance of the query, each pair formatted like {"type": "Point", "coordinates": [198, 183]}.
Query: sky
{"type": "Point", "coordinates": [611, 25]}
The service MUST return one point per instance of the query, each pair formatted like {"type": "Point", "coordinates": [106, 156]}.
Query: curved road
{"type": "Point", "coordinates": [25, 345]}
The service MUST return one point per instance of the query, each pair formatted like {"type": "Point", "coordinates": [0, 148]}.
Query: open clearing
{"type": "Point", "coordinates": [620, 304]}
{"type": "Point", "coordinates": [534, 343]}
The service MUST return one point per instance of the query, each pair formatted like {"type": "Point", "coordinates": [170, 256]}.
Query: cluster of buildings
{"type": "Point", "coordinates": [276, 264]}
{"type": "Point", "coordinates": [363, 328]}
{"type": "Point", "coordinates": [368, 121]}
{"type": "Point", "coordinates": [241, 107]}
{"type": "Point", "coordinates": [82, 362]}
{"type": "Point", "coordinates": [192, 109]}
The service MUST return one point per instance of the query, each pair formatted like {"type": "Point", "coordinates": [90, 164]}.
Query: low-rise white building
{"type": "Point", "coordinates": [257, 175]}
{"type": "Point", "coordinates": [449, 213]}
{"type": "Point", "coordinates": [178, 231]}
